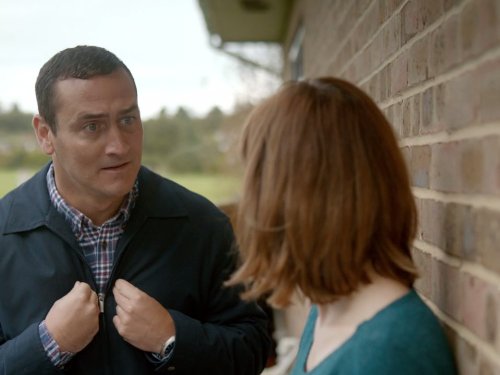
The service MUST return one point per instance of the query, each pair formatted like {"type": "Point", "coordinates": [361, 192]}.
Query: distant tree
{"type": "Point", "coordinates": [15, 121]}
{"type": "Point", "coordinates": [178, 142]}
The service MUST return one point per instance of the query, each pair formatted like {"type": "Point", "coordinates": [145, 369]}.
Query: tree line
{"type": "Point", "coordinates": [177, 142]}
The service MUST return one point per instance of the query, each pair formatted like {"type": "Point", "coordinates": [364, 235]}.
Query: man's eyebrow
{"type": "Point", "coordinates": [132, 108]}
{"type": "Point", "coordinates": [90, 116]}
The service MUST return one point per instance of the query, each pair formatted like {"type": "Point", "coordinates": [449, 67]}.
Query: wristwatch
{"type": "Point", "coordinates": [167, 347]}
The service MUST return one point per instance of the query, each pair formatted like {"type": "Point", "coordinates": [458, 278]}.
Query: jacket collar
{"type": "Point", "coordinates": [30, 205]}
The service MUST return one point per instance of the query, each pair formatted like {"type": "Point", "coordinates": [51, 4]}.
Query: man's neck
{"type": "Point", "coordinates": [97, 211]}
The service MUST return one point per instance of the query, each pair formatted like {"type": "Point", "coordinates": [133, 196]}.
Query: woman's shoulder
{"type": "Point", "coordinates": [405, 337]}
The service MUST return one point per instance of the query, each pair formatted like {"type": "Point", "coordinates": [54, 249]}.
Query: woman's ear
{"type": "Point", "coordinates": [43, 134]}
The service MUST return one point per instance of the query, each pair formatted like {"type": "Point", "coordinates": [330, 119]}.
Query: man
{"type": "Point", "coordinates": [105, 267]}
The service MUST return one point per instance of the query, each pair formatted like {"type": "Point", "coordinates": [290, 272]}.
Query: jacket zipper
{"type": "Point", "coordinates": [100, 296]}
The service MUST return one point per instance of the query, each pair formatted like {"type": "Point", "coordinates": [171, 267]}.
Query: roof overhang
{"type": "Point", "coordinates": [246, 20]}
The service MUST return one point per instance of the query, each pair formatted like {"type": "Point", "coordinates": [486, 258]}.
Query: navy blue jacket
{"type": "Point", "coordinates": [176, 248]}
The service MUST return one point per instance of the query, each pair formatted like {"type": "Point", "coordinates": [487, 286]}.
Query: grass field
{"type": "Point", "coordinates": [217, 188]}
{"type": "Point", "coordinates": [8, 181]}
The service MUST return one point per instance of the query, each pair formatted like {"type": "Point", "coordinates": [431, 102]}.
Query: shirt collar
{"type": "Point", "coordinates": [76, 218]}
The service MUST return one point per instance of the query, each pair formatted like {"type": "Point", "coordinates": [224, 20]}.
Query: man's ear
{"type": "Point", "coordinates": [43, 134]}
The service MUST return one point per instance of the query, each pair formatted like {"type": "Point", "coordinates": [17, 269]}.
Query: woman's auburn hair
{"type": "Point", "coordinates": [326, 196]}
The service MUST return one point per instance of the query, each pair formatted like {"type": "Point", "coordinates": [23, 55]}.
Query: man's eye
{"type": "Point", "coordinates": [91, 126]}
{"type": "Point", "coordinates": [128, 120]}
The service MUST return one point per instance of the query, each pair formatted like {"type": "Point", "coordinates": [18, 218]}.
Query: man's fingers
{"type": "Point", "coordinates": [93, 298]}
{"type": "Point", "coordinates": [121, 321]}
{"type": "Point", "coordinates": [127, 289]}
{"type": "Point", "coordinates": [120, 298]}
{"type": "Point", "coordinates": [85, 292]}
{"type": "Point", "coordinates": [121, 312]}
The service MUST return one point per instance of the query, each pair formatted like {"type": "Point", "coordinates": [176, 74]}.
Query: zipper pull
{"type": "Point", "coordinates": [100, 296]}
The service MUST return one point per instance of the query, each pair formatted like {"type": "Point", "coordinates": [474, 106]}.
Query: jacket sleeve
{"type": "Point", "coordinates": [232, 338]}
{"type": "Point", "coordinates": [24, 354]}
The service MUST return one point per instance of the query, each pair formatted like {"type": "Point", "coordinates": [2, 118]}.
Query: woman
{"type": "Point", "coordinates": [327, 210]}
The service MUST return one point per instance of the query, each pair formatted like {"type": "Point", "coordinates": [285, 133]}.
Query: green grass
{"type": "Point", "coordinates": [8, 181]}
{"type": "Point", "coordinates": [217, 188]}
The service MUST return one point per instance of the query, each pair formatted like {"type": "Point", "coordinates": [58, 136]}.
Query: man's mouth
{"type": "Point", "coordinates": [115, 167]}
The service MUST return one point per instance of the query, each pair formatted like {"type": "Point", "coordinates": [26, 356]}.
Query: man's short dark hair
{"type": "Point", "coordinates": [81, 62]}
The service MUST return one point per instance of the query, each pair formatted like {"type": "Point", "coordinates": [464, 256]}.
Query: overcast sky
{"type": "Point", "coordinates": [163, 42]}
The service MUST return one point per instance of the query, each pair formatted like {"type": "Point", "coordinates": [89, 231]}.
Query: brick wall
{"type": "Point", "coordinates": [433, 66]}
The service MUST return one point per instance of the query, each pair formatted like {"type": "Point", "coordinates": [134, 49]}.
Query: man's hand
{"type": "Point", "coordinates": [140, 319]}
{"type": "Point", "coordinates": [73, 320]}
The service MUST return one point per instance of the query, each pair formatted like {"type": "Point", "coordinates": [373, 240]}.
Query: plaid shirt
{"type": "Point", "coordinates": [98, 244]}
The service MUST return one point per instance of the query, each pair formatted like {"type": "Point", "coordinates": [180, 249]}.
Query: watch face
{"type": "Point", "coordinates": [169, 346]}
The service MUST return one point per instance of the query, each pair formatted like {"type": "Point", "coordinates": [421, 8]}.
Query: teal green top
{"type": "Point", "coordinates": [403, 338]}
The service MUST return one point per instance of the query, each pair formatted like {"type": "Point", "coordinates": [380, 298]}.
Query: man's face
{"type": "Point", "coordinates": [97, 148]}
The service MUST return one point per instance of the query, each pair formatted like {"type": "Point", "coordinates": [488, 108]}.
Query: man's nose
{"type": "Point", "coordinates": [116, 141]}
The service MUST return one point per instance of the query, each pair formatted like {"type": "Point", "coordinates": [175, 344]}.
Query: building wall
{"type": "Point", "coordinates": [433, 66]}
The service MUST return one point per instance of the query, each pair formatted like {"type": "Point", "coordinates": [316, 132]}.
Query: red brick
{"type": "Point", "coordinates": [469, 28]}
{"type": "Point", "coordinates": [369, 25]}
{"type": "Point", "coordinates": [391, 36]}
{"type": "Point", "coordinates": [439, 106]}
{"type": "Point", "coordinates": [491, 166]}
{"type": "Point", "coordinates": [427, 111]}
{"type": "Point", "coordinates": [416, 110]}
{"type": "Point", "coordinates": [489, 91]}
{"type": "Point", "coordinates": [478, 298]}
{"type": "Point", "coordinates": [488, 238]}
{"type": "Point", "coordinates": [374, 88]}
{"type": "Point", "coordinates": [406, 128]}
{"type": "Point", "coordinates": [420, 165]}
{"type": "Point", "coordinates": [446, 288]}
{"type": "Point", "coordinates": [492, 322]}
{"type": "Point", "coordinates": [388, 113]}
{"type": "Point", "coordinates": [399, 73]}
{"type": "Point", "coordinates": [451, 227]}
{"type": "Point", "coordinates": [448, 4]}
{"type": "Point", "coordinates": [385, 83]}
{"type": "Point", "coordinates": [468, 166]}
{"type": "Point", "coordinates": [397, 118]}
{"type": "Point", "coordinates": [387, 8]}
{"type": "Point", "coordinates": [349, 73]}
{"type": "Point", "coordinates": [432, 104]}
{"type": "Point", "coordinates": [418, 62]}
{"type": "Point", "coordinates": [423, 264]}
{"type": "Point", "coordinates": [430, 11]}
{"type": "Point", "coordinates": [392, 117]}
{"type": "Point", "coordinates": [409, 21]}
{"type": "Point", "coordinates": [466, 355]}
{"type": "Point", "coordinates": [489, 19]}
{"type": "Point", "coordinates": [462, 104]}
{"type": "Point", "coordinates": [459, 230]}
{"type": "Point", "coordinates": [444, 50]}
{"type": "Point", "coordinates": [444, 169]}
{"type": "Point", "coordinates": [479, 27]}
{"type": "Point", "coordinates": [361, 6]}
{"type": "Point", "coordinates": [376, 50]}
{"type": "Point", "coordinates": [406, 155]}
{"type": "Point", "coordinates": [345, 54]}
{"type": "Point", "coordinates": [472, 171]}
{"type": "Point", "coordinates": [364, 63]}
{"type": "Point", "coordinates": [417, 15]}
{"type": "Point", "coordinates": [432, 222]}
{"type": "Point", "coordinates": [488, 367]}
